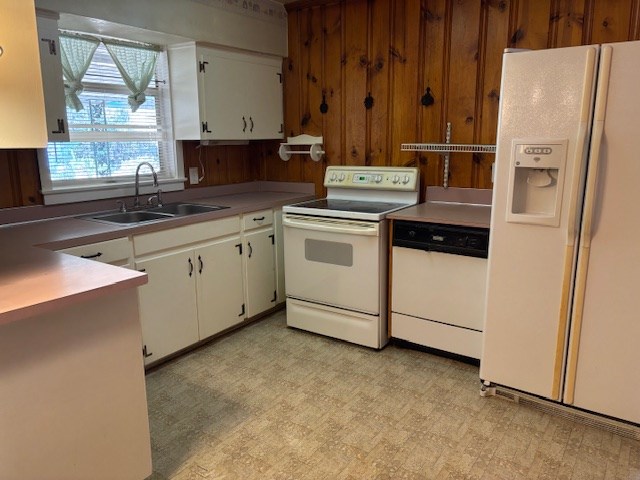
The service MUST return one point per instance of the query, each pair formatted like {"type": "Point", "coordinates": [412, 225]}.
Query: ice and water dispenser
{"type": "Point", "coordinates": [536, 179]}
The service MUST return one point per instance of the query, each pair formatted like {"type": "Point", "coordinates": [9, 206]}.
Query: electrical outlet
{"type": "Point", "coordinates": [193, 176]}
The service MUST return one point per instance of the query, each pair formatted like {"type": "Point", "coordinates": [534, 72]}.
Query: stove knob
{"type": "Point", "coordinates": [378, 178]}
{"type": "Point", "coordinates": [342, 177]}
{"type": "Point", "coordinates": [396, 179]}
{"type": "Point", "coordinates": [405, 180]}
{"type": "Point", "coordinates": [333, 177]}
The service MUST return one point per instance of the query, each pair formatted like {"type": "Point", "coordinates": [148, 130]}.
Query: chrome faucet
{"type": "Point", "coordinates": [136, 200]}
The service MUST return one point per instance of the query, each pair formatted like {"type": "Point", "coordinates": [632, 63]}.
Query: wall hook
{"type": "Point", "coordinates": [324, 108]}
{"type": "Point", "coordinates": [427, 99]}
{"type": "Point", "coordinates": [368, 101]}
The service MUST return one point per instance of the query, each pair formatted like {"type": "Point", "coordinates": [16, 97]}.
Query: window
{"type": "Point", "coordinates": [108, 140]}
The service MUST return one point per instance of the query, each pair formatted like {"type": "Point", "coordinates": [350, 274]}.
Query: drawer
{"type": "Point", "coordinates": [261, 218]}
{"type": "Point", "coordinates": [187, 235]}
{"type": "Point", "coordinates": [448, 338]}
{"type": "Point", "coordinates": [110, 251]}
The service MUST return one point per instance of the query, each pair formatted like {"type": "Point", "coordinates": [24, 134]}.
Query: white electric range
{"type": "Point", "coordinates": [336, 252]}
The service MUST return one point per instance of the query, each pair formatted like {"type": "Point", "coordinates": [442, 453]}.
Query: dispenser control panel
{"type": "Point", "coordinates": [539, 156]}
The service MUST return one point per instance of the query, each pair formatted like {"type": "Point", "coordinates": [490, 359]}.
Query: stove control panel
{"type": "Point", "coordinates": [382, 178]}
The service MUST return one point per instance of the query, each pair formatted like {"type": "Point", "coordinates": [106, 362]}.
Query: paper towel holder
{"type": "Point", "coordinates": [315, 149]}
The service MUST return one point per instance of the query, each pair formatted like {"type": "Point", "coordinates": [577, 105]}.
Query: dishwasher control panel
{"type": "Point", "coordinates": [437, 237]}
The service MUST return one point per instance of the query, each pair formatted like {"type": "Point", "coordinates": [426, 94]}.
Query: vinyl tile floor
{"type": "Point", "coordinates": [271, 402]}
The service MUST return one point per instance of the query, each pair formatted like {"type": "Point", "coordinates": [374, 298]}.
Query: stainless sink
{"type": "Point", "coordinates": [138, 216]}
{"type": "Point", "coordinates": [180, 209]}
{"type": "Point", "coordinates": [165, 212]}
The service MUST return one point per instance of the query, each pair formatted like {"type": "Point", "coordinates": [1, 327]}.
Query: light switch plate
{"type": "Point", "coordinates": [193, 175]}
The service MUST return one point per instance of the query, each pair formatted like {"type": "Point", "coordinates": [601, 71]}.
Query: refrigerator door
{"type": "Point", "coordinates": [602, 371]}
{"type": "Point", "coordinates": [543, 129]}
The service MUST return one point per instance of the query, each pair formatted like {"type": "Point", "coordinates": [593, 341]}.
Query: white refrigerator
{"type": "Point", "coordinates": [562, 318]}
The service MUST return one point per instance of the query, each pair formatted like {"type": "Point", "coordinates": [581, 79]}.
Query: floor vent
{"type": "Point", "coordinates": [585, 418]}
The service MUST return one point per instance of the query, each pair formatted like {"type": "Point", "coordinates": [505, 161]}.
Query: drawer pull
{"type": "Point", "coordinates": [259, 219]}
{"type": "Point", "coordinates": [95, 255]}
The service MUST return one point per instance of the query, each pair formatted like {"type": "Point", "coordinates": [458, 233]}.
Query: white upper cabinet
{"type": "Point", "coordinates": [22, 123]}
{"type": "Point", "coordinates": [224, 95]}
{"type": "Point", "coordinates": [52, 81]}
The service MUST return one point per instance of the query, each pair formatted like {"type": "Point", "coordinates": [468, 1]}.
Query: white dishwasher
{"type": "Point", "coordinates": [438, 285]}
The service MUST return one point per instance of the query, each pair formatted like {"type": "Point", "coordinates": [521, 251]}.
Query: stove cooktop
{"type": "Point", "coordinates": [359, 209]}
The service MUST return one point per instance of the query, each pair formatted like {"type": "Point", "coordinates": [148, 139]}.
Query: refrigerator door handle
{"type": "Point", "coordinates": [587, 220]}
{"type": "Point", "coordinates": [581, 145]}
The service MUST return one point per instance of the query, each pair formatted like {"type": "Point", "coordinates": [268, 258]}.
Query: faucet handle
{"type": "Point", "coordinates": [159, 195]}
{"type": "Point", "coordinates": [122, 206]}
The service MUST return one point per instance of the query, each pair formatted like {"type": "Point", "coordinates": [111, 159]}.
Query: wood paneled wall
{"type": "Point", "coordinates": [19, 178]}
{"type": "Point", "coordinates": [393, 50]}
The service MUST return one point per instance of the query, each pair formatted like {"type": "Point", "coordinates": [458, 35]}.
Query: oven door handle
{"type": "Point", "coordinates": [332, 226]}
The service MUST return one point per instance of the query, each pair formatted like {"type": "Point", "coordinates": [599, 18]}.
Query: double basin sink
{"type": "Point", "coordinates": [164, 212]}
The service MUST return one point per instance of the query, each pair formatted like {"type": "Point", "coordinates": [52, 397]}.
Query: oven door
{"type": "Point", "coordinates": [334, 261]}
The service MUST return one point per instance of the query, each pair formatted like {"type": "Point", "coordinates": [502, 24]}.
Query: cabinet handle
{"type": "Point", "coordinates": [258, 219]}
{"type": "Point", "coordinates": [201, 264]}
{"type": "Point", "coordinates": [251, 120]}
{"type": "Point", "coordinates": [143, 270]}
{"type": "Point", "coordinates": [242, 312]}
{"type": "Point", "coordinates": [250, 249]}
{"type": "Point", "coordinates": [95, 255]}
{"type": "Point", "coordinates": [52, 45]}
{"type": "Point", "coordinates": [61, 128]}
{"type": "Point", "coordinates": [190, 267]}
{"type": "Point", "coordinates": [244, 121]}
{"type": "Point", "coordinates": [275, 296]}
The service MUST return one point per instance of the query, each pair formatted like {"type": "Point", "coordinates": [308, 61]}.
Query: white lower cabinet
{"type": "Point", "coordinates": [259, 261]}
{"type": "Point", "coordinates": [260, 271]}
{"type": "Point", "coordinates": [219, 284]}
{"type": "Point", "coordinates": [168, 308]}
{"type": "Point", "coordinates": [203, 279]}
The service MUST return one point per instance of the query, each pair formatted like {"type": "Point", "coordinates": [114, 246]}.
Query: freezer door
{"type": "Point", "coordinates": [602, 371]}
{"type": "Point", "coordinates": [546, 101]}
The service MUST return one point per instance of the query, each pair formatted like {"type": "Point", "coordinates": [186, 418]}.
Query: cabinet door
{"type": "Point", "coordinates": [220, 294]}
{"type": "Point", "coordinates": [223, 91]}
{"type": "Point", "coordinates": [22, 123]}
{"type": "Point", "coordinates": [260, 271]}
{"type": "Point", "coordinates": [264, 100]}
{"type": "Point", "coordinates": [52, 81]}
{"type": "Point", "coordinates": [168, 304]}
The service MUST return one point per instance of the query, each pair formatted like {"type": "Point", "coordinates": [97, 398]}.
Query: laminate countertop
{"type": "Point", "coordinates": [453, 206]}
{"type": "Point", "coordinates": [34, 278]}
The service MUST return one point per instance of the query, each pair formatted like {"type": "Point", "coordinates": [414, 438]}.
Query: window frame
{"type": "Point", "coordinates": [69, 191]}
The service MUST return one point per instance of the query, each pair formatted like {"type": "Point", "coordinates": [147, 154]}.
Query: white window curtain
{"type": "Point", "coordinates": [76, 53]}
{"type": "Point", "coordinates": [137, 65]}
